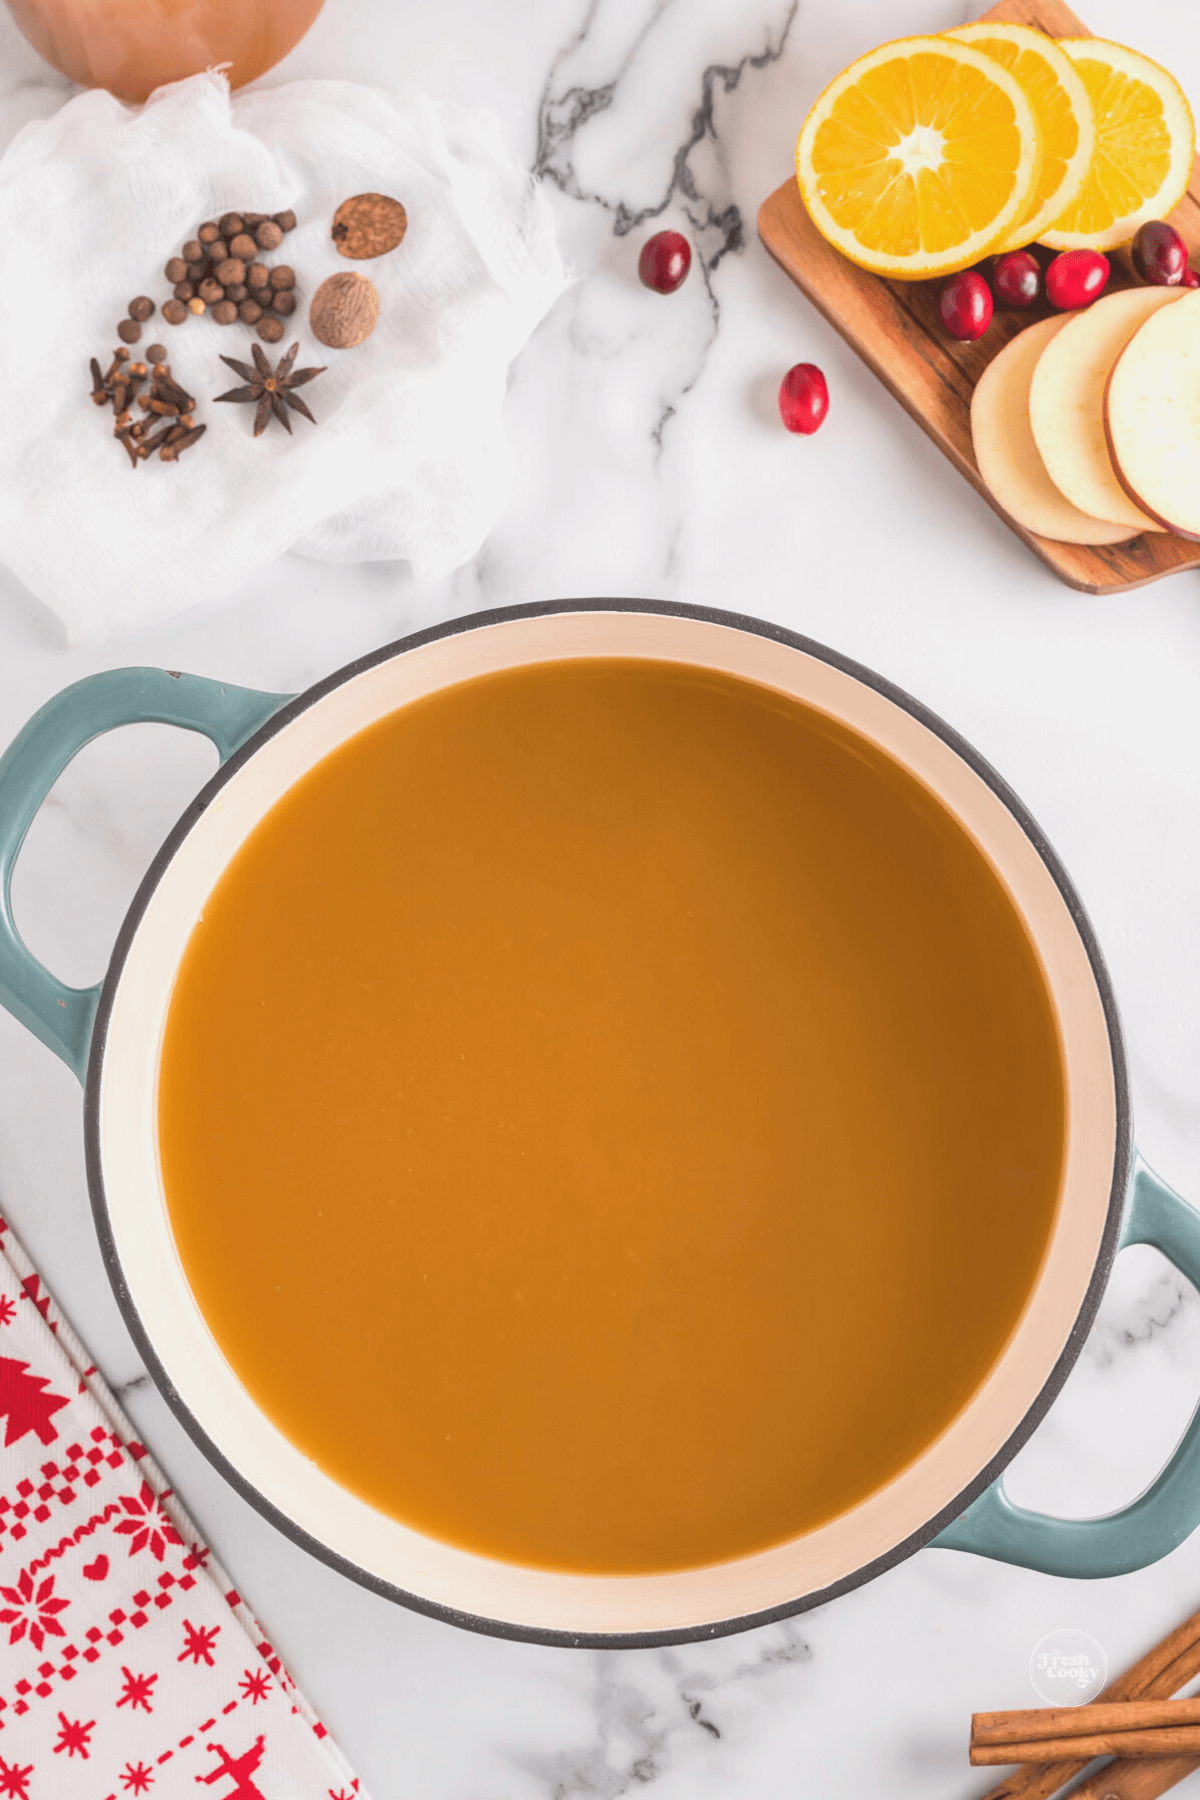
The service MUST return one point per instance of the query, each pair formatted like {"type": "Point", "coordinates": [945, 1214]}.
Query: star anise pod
{"type": "Point", "coordinates": [270, 389]}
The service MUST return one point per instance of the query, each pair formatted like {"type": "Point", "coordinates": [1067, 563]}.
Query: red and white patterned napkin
{"type": "Point", "coordinates": [129, 1664]}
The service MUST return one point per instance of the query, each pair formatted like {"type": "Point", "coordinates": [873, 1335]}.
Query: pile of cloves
{"type": "Point", "coordinates": [168, 422]}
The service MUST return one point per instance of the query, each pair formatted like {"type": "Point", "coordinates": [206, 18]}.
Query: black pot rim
{"type": "Point", "coordinates": [1057, 1375]}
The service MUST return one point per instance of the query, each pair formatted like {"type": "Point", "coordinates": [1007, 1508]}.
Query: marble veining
{"type": "Point", "coordinates": [659, 1713]}
{"type": "Point", "coordinates": [697, 182]}
{"type": "Point", "coordinates": [648, 459]}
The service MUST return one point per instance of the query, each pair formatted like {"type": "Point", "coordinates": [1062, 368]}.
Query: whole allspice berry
{"type": "Point", "coordinates": [194, 251]}
{"type": "Point", "coordinates": [268, 235]}
{"type": "Point", "coordinates": [257, 276]}
{"type": "Point", "coordinates": [231, 224]}
{"type": "Point", "coordinates": [129, 331]}
{"type": "Point", "coordinates": [250, 312]}
{"type": "Point", "coordinates": [368, 225]}
{"type": "Point", "coordinates": [208, 233]}
{"type": "Point", "coordinates": [282, 276]}
{"type": "Point", "coordinates": [157, 353]}
{"type": "Point", "coordinates": [174, 312]}
{"type": "Point", "coordinates": [183, 290]}
{"type": "Point", "coordinates": [230, 271]}
{"type": "Point", "coordinates": [269, 328]}
{"type": "Point", "coordinates": [286, 221]}
{"type": "Point", "coordinates": [344, 311]}
{"type": "Point", "coordinates": [211, 291]}
{"type": "Point", "coordinates": [225, 312]}
{"type": "Point", "coordinates": [176, 270]}
{"type": "Point", "coordinates": [284, 303]}
{"type": "Point", "coordinates": [141, 308]}
{"type": "Point", "coordinates": [236, 291]}
{"type": "Point", "coordinates": [243, 246]}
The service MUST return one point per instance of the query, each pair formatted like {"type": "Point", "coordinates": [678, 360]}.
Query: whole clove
{"type": "Point", "coordinates": [172, 452]}
{"type": "Point", "coordinates": [168, 409]}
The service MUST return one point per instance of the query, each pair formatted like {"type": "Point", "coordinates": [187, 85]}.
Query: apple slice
{"type": "Point", "coordinates": [1152, 417]}
{"type": "Point", "coordinates": [1066, 402]}
{"type": "Point", "coordinates": [1008, 457]}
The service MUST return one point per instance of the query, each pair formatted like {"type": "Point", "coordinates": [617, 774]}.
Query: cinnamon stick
{"type": "Point", "coordinates": [1168, 1740]}
{"type": "Point", "coordinates": [1156, 1676]}
{"type": "Point", "coordinates": [1136, 1780]}
{"type": "Point", "coordinates": [1036, 1722]}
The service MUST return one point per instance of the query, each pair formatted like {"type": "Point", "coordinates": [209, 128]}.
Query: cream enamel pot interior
{"type": "Point", "coordinates": [111, 1036]}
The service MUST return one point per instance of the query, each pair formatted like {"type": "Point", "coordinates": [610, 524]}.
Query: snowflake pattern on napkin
{"type": "Point", "coordinates": [129, 1664]}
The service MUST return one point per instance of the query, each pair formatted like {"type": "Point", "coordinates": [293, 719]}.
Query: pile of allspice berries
{"type": "Point", "coordinates": [217, 272]}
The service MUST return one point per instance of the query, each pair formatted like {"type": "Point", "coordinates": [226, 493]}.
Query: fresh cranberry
{"type": "Point", "coordinates": [1076, 278]}
{"type": "Point", "coordinates": [1017, 278]}
{"type": "Point", "coordinates": [1190, 279]}
{"type": "Point", "coordinates": [1160, 255]}
{"type": "Point", "coordinates": [665, 261]}
{"type": "Point", "coordinates": [966, 305]}
{"type": "Point", "coordinates": [803, 398]}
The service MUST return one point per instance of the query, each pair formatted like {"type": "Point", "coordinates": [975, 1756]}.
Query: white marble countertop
{"type": "Point", "coordinates": [649, 461]}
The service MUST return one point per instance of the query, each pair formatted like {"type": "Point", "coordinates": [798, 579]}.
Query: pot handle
{"type": "Point", "coordinates": [1156, 1522]}
{"type": "Point", "coordinates": [62, 1016]}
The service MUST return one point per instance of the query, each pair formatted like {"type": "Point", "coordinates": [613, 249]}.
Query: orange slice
{"type": "Point", "coordinates": [1060, 102]}
{"type": "Point", "coordinates": [919, 158]}
{"type": "Point", "coordinates": [1145, 142]}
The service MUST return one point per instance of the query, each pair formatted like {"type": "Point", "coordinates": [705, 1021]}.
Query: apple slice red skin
{"type": "Point", "coordinates": [1118, 471]}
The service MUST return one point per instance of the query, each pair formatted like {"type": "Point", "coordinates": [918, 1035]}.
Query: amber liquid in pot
{"type": "Point", "coordinates": [611, 1117]}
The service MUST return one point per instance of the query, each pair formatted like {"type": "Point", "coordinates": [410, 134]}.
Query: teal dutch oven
{"type": "Point", "coordinates": [952, 1496]}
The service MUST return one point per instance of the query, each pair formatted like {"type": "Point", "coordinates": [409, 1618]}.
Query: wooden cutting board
{"type": "Point", "coordinates": [895, 328]}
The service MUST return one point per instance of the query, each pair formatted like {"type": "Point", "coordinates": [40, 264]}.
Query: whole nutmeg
{"type": "Point", "coordinates": [282, 277]}
{"type": "Point", "coordinates": [129, 331]}
{"type": "Point", "coordinates": [250, 312]}
{"type": "Point", "coordinates": [286, 221]}
{"type": "Point", "coordinates": [208, 233]}
{"type": "Point", "coordinates": [174, 312]}
{"type": "Point", "coordinates": [231, 224]}
{"type": "Point", "coordinates": [269, 329]}
{"type": "Point", "coordinates": [194, 251]}
{"type": "Point", "coordinates": [141, 308]}
{"type": "Point", "coordinates": [232, 269]}
{"type": "Point", "coordinates": [344, 311]}
{"type": "Point", "coordinates": [176, 270]}
{"type": "Point", "coordinates": [257, 276]}
{"type": "Point", "coordinates": [211, 291]}
{"type": "Point", "coordinates": [283, 303]}
{"type": "Point", "coordinates": [268, 236]}
{"type": "Point", "coordinates": [243, 246]}
{"type": "Point", "coordinates": [225, 312]}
